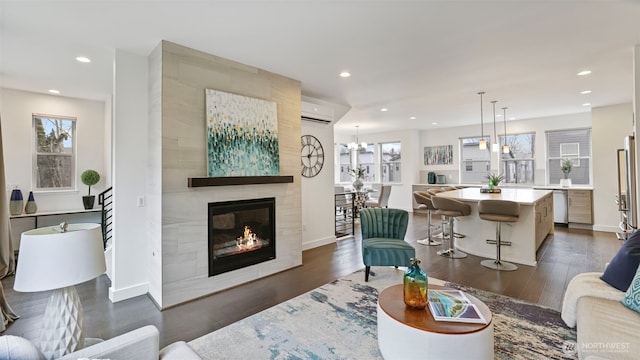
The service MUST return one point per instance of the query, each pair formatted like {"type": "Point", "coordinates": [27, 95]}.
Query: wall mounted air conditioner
{"type": "Point", "coordinates": [316, 113]}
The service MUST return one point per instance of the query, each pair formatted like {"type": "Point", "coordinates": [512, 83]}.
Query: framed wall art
{"type": "Point", "coordinates": [242, 135]}
{"type": "Point", "coordinates": [438, 155]}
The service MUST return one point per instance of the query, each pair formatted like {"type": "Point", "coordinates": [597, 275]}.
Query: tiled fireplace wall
{"type": "Point", "coordinates": [178, 78]}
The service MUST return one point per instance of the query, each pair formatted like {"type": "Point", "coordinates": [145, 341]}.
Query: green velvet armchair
{"type": "Point", "coordinates": [383, 244]}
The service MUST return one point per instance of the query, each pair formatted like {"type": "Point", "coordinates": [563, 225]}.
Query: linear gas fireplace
{"type": "Point", "coordinates": [241, 233]}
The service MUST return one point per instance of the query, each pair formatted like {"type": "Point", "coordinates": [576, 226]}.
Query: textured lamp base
{"type": "Point", "coordinates": [63, 325]}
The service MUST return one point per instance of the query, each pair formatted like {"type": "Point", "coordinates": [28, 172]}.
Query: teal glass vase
{"type": "Point", "coordinates": [415, 286]}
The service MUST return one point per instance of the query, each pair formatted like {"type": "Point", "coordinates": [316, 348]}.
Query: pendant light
{"type": "Point", "coordinates": [482, 145]}
{"type": "Point", "coordinates": [494, 147]}
{"type": "Point", "coordinates": [505, 147]}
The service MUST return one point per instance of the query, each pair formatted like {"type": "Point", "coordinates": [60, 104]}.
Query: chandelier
{"type": "Point", "coordinates": [357, 145]}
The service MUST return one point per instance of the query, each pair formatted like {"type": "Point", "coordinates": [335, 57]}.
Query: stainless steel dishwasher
{"type": "Point", "coordinates": [560, 215]}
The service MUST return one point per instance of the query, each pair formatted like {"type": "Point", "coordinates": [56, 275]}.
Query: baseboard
{"type": "Point", "coordinates": [580, 226]}
{"type": "Point", "coordinates": [606, 228]}
{"type": "Point", "coordinates": [128, 292]}
{"type": "Point", "coordinates": [318, 242]}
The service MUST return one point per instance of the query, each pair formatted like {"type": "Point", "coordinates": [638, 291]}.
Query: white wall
{"type": "Point", "coordinates": [610, 125]}
{"type": "Point", "coordinates": [17, 110]}
{"type": "Point", "coordinates": [318, 219]}
{"type": "Point", "coordinates": [130, 168]}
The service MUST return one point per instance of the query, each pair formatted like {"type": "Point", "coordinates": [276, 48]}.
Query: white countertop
{"type": "Point", "coordinates": [522, 196]}
{"type": "Point", "coordinates": [515, 186]}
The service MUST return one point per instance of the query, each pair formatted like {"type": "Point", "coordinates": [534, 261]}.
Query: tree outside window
{"type": "Point", "coordinates": [54, 152]}
{"type": "Point", "coordinates": [518, 166]}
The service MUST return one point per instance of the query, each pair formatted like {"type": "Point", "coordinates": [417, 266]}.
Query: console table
{"type": "Point", "coordinates": [37, 215]}
{"type": "Point", "coordinates": [23, 222]}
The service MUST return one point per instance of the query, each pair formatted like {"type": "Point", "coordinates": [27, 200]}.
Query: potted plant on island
{"type": "Point", "coordinates": [89, 178]}
{"type": "Point", "coordinates": [494, 181]}
{"type": "Point", "coordinates": [357, 173]}
{"type": "Point", "coordinates": [566, 167]}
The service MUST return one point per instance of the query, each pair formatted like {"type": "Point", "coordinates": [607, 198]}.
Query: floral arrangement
{"type": "Point", "coordinates": [357, 172]}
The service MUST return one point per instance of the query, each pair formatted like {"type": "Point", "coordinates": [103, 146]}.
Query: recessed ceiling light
{"type": "Point", "coordinates": [434, 123]}
{"type": "Point", "coordinates": [83, 59]}
{"type": "Point", "coordinates": [586, 104]}
{"type": "Point", "coordinates": [345, 74]}
{"type": "Point", "coordinates": [384, 109]}
{"type": "Point", "coordinates": [512, 118]}
{"type": "Point", "coordinates": [412, 118]}
{"type": "Point", "coordinates": [585, 92]}
{"type": "Point", "coordinates": [584, 72]}
{"type": "Point", "coordinates": [54, 91]}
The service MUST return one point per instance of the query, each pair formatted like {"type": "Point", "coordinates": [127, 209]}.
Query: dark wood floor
{"type": "Point", "coordinates": [562, 255]}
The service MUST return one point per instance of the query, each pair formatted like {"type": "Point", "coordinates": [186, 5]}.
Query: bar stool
{"type": "Point", "coordinates": [451, 209]}
{"type": "Point", "coordinates": [435, 191]}
{"type": "Point", "coordinates": [499, 211]}
{"type": "Point", "coordinates": [424, 202]}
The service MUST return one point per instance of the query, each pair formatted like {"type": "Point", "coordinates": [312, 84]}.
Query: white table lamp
{"type": "Point", "coordinates": [56, 258]}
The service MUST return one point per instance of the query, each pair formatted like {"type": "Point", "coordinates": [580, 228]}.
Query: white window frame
{"type": "Point", "coordinates": [390, 163]}
{"type": "Point", "coordinates": [463, 168]}
{"type": "Point", "coordinates": [578, 160]}
{"type": "Point", "coordinates": [531, 159]}
{"type": "Point", "coordinates": [37, 152]}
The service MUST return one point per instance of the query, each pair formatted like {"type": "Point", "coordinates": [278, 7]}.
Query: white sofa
{"type": "Point", "coordinates": [606, 329]}
{"type": "Point", "coordinates": [139, 344]}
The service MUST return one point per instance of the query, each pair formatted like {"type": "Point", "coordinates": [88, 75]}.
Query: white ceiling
{"type": "Point", "coordinates": [426, 59]}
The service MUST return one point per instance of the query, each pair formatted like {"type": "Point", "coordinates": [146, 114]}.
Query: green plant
{"type": "Point", "coordinates": [357, 172]}
{"type": "Point", "coordinates": [495, 179]}
{"type": "Point", "coordinates": [89, 178]}
{"type": "Point", "coordinates": [567, 165]}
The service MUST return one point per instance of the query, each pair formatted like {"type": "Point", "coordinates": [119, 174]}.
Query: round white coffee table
{"type": "Point", "coordinates": [405, 333]}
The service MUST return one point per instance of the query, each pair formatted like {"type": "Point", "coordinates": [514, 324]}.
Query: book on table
{"type": "Point", "coordinates": [453, 305]}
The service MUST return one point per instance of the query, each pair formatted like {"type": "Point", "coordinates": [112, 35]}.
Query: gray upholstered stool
{"type": "Point", "coordinates": [451, 209]}
{"type": "Point", "coordinates": [499, 211]}
{"type": "Point", "coordinates": [424, 202]}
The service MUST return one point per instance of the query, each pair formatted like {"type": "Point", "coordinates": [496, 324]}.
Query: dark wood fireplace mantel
{"type": "Point", "coordinates": [238, 180]}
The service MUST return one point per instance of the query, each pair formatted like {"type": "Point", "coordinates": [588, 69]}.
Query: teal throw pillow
{"type": "Point", "coordinates": [632, 297]}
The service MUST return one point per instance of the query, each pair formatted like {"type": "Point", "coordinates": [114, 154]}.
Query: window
{"type": "Point", "coordinates": [54, 152]}
{"type": "Point", "coordinates": [366, 161]}
{"type": "Point", "coordinates": [390, 162]}
{"type": "Point", "coordinates": [474, 163]}
{"type": "Point", "coordinates": [573, 144]}
{"type": "Point", "coordinates": [345, 163]}
{"type": "Point", "coordinates": [518, 166]}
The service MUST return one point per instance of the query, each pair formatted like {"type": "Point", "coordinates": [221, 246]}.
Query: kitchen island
{"type": "Point", "coordinates": [526, 235]}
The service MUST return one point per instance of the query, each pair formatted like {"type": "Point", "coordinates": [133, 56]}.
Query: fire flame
{"type": "Point", "coordinates": [249, 240]}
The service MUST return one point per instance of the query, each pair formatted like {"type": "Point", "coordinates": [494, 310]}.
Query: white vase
{"type": "Point", "coordinates": [565, 182]}
{"type": "Point", "coordinates": [358, 184]}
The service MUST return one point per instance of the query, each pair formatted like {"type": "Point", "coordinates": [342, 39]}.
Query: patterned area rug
{"type": "Point", "coordinates": [338, 321]}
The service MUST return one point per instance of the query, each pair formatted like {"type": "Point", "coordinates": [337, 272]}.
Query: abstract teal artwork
{"type": "Point", "coordinates": [242, 136]}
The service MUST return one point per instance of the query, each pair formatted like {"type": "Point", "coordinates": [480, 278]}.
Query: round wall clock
{"type": "Point", "coordinates": [312, 156]}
